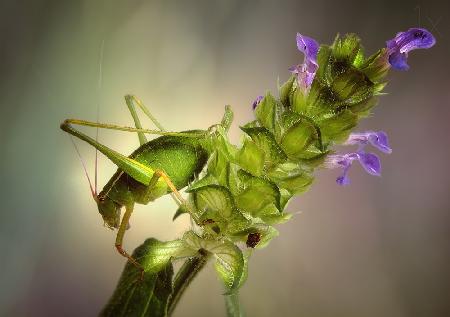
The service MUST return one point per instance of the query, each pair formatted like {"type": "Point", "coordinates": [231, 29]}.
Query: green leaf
{"type": "Point", "coordinates": [323, 60]}
{"type": "Point", "coordinates": [266, 232]}
{"type": "Point", "coordinates": [251, 158]}
{"type": "Point", "coordinates": [224, 153]}
{"type": "Point", "coordinates": [363, 108]}
{"type": "Point", "coordinates": [267, 143]}
{"type": "Point", "coordinates": [352, 87]}
{"type": "Point", "coordinates": [213, 201]}
{"type": "Point", "coordinates": [298, 137]}
{"type": "Point", "coordinates": [290, 177]}
{"type": "Point", "coordinates": [227, 118]}
{"type": "Point", "coordinates": [276, 219]}
{"type": "Point", "coordinates": [376, 66]}
{"type": "Point", "coordinates": [286, 90]}
{"type": "Point", "coordinates": [218, 166]}
{"type": "Point", "coordinates": [338, 127]}
{"type": "Point", "coordinates": [256, 194]}
{"type": "Point", "coordinates": [299, 101]}
{"type": "Point", "coordinates": [321, 100]}
{"type": "Point", "coordinates": [206, 180]}
{"type": "Point", "coordinates": [149, 297]}
{"type": "Point", "coordinates": [229, 263]}
{"type": "Point", "coordinates": [265, 112]}
{"type": "Point", "coordinates": [180, 211]}
{"type": "Point", "coordinates": [347, 50]}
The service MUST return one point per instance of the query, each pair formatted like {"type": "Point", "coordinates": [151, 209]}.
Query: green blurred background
{"type": "Point", "coordinates": [380, 247]}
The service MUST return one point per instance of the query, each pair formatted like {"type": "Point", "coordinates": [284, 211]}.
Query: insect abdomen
{"type": "Point", "coordinates": [179, 157]}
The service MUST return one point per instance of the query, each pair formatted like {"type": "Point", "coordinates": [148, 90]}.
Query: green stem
{"type": "Point", "coordinates": [185, 275]}
{"type": "Point", "coordinates": [232, 305]}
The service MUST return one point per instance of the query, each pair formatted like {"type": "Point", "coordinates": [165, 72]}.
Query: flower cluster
{"type": "Point", "coordinates": [397, 53]}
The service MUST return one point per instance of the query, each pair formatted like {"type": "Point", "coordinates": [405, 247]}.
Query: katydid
{"type": "Point", "coordinates": [157, 167]}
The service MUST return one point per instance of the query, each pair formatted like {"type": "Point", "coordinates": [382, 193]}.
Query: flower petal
{"type": "Point", "coordinates": [380, 141]}
{"type": "Point", "coordinates": [398, 61]}
{"type": "Point", "coordinates": [309, 47]}
{"type": "Point", "coordinates": [404, 42]}
{"type": "Point", "coordinates": [344, 180]}
{"type": "Point", "coordinates": [370, 162]}
{"type": "Point", "coordinates": [257, 101]}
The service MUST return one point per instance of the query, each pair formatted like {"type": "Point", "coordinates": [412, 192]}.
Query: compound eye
{"type": "Point", "coordinates": [101, 198]}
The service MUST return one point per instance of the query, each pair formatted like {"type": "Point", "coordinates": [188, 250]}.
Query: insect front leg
{"type": "Point", "coordinates": [120, 235]}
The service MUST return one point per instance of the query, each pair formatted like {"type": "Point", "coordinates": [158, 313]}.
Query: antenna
{"type": "Point", "coordinates": [99, 88]}
{"type": "Point", "coordinates": [94, 193]}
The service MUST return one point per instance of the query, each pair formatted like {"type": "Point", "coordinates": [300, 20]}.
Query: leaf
{"type": "Point", "coordinates": [352, 87]}
{"type": "Point", "coordinates": [285, 91]}
{"type": "Point", "coordinates": [251, 158]}
{"type": "Point", "coordinates": [376, 66]}
{"type": "Point", "coordinates": [213, 200]}
{"type": "Point", "coordinates": [265, 231]}
{"type": "Point", "coordinates": [323, 60]}
{"type": "Point", "coordinates": [338, 127]}
{"type": "Point", "coordinates": [363, 108]}
{"type": "Point", "coordinates": [224, 153]}
{"type": "Point", "coordinates": [290, 177]}
{"type": "Point", "coordinates": [229, 263]}
{"type": "Point", "coordinates": [180, 211]}
{"type": "Point", "coordinates": [256, 194]}
{"type": "Point", "coordinates": [348, 50]}
{"type": "Point", "coordinates": [277, 219]}
{"type": "Point", "coordinates": [227, 119]}
{"type": "Point", "coordinates": [265, 112]}
{"type": "Point", "coordinates": [298, 137]}
{"type": "Point", "coordinates": [267, 143]}
{"type": "Point", "coordinates": [299, 101]}
{"type": "Point", "coordinates": [206, 180]}
{"type": "Point", "coordinates": [218, 166]}
{"type": "Point", "coordinates": [149, 297]}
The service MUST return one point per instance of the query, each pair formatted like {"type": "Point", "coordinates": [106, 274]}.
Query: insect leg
{"type": "Point", "coordinates": [121, 234]}
{"type": "Point", "coordinates": [176, 194]}
{"type": "Point", "coordinates": [69, 122]}
{"type": "Point", "coordinates": [131, 100]}
{"type": "Point", "coordinates": [137, 122]}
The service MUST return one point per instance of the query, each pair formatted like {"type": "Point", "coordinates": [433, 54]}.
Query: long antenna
{"type": "Point", "coordinates": [94, 194]}
{"type": "Point", "coordinates": [99, 88]}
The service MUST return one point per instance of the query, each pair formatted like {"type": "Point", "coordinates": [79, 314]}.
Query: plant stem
{"type": "Point", "coordinates": [233, 306]}
{"type": "Point", "coordinates": [185, 275]}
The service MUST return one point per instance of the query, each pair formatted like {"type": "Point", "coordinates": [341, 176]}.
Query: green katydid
{"type": "Point", "coordinates": [157, 167]}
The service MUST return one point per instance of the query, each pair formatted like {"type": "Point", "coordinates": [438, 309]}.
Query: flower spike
{"type": "Point", "coordinates": [404, 42]}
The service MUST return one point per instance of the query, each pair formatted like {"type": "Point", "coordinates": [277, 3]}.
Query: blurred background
{"type": "Point", "coordinates": [379, 247]}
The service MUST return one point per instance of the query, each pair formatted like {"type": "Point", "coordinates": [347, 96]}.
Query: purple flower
{"type": "Point", "coordinates": [306, 71]}
{"type": "Point", "coordinates": [404, 42]}
{"type": "Point", "coordinates": [369, 161]}
{"type": "Point", "coordinates": [377, 139]}
{"type": "Point", "coordinates": [257, 101]}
